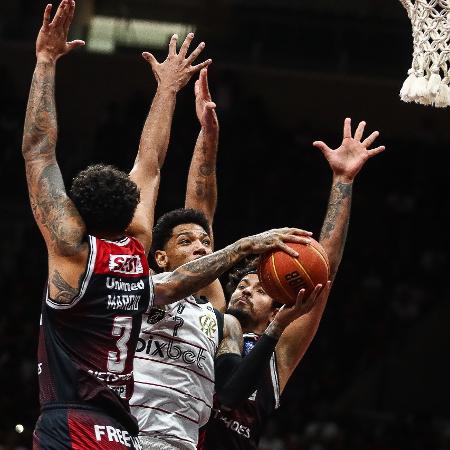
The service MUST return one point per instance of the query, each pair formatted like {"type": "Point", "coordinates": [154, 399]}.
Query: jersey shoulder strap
{"type": "Point", "coordinates": [220, 323]}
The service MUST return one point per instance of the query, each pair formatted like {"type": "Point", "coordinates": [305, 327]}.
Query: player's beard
{"type": "Point", "coordinates": [244, 317]}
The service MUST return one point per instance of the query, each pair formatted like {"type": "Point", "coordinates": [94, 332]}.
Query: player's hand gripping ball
{"type": "Point", "coordinates": [282, 276]}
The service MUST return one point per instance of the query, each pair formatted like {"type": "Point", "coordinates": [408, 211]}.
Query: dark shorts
{"type": "Point", "coordinates": [60, 428]}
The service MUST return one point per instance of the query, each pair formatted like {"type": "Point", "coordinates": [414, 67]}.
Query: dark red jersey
{"type": "Point", "coordinates": [242, 427]}
{"type": "Point", "coordinates": [86, 348]}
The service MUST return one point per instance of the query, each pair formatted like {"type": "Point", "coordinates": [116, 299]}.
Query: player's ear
{"type": "Point", "coordinates": [161, 259]}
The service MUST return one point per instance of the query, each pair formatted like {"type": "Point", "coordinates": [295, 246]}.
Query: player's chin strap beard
{"type": "Point", "coordinates": [244, 317]}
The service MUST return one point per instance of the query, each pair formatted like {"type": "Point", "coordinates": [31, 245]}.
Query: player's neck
{"type": "Point", "coordinates": [108, 236]}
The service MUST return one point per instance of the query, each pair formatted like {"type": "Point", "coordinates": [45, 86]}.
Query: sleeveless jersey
{"type": "Point", "coordinates": [174, 370]}
{"type": "Point", "coordinates": [242, 427]}
{"type": "Point", "coordinates": [86, 348]}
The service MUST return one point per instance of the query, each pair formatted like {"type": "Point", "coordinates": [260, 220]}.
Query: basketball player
{"type": "Point", "coordinates": [174, 360]}
{"type": "Point", "coordinates": [99, 284]}
{"type": "Point", "coordinates": [236, 425]}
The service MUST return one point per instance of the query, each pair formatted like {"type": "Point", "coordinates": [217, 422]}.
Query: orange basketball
{"type": "Point", "coordinates": [282, 276]}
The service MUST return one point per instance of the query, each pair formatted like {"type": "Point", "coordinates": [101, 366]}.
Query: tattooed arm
{"type": "Point", "coordinates": [194, 275]}
{"type": "Point", "coordinates": [172, 75]}
{"type": "Point", "coordinates": [60, 223]}
{"type": "Point", "coordinates": [55, 214]}
{"type": "Point", "coordinates": [346, 162]}
{"type": "Point", "coordinates": [201, 192]}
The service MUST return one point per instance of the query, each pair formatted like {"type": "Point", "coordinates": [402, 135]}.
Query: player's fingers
{"type": "Point", "coordinates": [204, 83]}
{"type": "Point", "coordinates": [149, 58]}
{"type": "Point", "coordinates": [47, 15]}
{"type": "Point", "coordinates": [285, 248]}
{"type": "Point", "coordinates": [194, 55]}
{"type": "Point", "coordinates": [69, 16]}
{"type": "Point", "coordinates": [197, 88]}
{"type": "Point", "coordinates": [347, 128]}
{"type": "Point", "coordinates": [299, 232]}
{"type": "Point", "coordinates": [296, 239]}
{"type": "Point", "coordinates": [370, 139]}
{"type": "Point", "coordinates": [360, 131]}
{"type": "Point", "coordinates": [300, 298]}
{"type": "Point", "coordinates": [75, 44]}
{"type": "Point", "coordinates": [185, 46]}
{"type": "Point", "coordinates": [376, 151]}
{"type": "Point", "coordinates": [60, 15]}
{"type": "Point", "coordinates": [201, 66]}
{"type": "Point", "coordinates": [210, 106]}
{"type": "Point", "coordinates": [322, 147]}
{"type": "Point", "coordinates": [173, 45]}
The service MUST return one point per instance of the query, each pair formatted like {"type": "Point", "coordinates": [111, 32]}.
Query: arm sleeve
{"type": "Point", "coordinates": [237, 377]}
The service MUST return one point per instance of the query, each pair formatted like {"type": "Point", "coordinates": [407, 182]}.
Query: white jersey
{"type": "Point", "coordinates": [174, 371]}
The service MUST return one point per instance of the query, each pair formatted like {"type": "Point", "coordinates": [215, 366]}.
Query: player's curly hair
{"type": "Point", "coordinates": [162, 231]}
{"type": "Point", "coordinates": [248, 265]}
{"type": "Point", "coordinates": [105, 197]}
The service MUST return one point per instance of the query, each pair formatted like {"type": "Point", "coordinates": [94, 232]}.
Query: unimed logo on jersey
{"type": "Point", "coordinates": [125, 264]}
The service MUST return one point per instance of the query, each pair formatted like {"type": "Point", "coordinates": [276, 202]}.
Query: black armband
{"type": "Point", "coordinates": [237, 378]}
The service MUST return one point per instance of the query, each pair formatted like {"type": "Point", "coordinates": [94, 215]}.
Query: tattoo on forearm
{"type": "Point", "coordinates": [49, 202]}
{"type": "Point", "coordinates": [66, 293]}
{"type": "Point", "coordinates": [40, 129]}
{"type": "Point", "coordinates": [199, 273]}
{"type": "Point", "coordinates": [53, 209]}
{"type": "Point", "coordinates": [339, 193]}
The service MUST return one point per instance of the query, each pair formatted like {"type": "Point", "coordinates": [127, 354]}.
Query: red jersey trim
{"type": "Point", "coordinates": [84, 284]}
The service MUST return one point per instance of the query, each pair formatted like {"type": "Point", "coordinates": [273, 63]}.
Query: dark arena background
{"type": "Point", "coordinates": [284, 73]}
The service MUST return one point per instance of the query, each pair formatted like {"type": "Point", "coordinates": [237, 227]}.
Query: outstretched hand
{"type": "Point", "coordinates": [347, 160]}
{"type": "Point", "coordinates": [177, 69]}
{"type": "Point", "coordinates": [51, 42]}
{"type": "Point", "coordinates": [204, 106]}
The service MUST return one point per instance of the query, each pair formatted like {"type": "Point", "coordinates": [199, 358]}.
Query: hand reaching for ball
{"type": "Point", "coordinates": [276, 239]}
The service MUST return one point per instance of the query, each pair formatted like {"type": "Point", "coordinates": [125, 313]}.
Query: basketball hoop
{"type": "Point", "coordinates": [429, 77]}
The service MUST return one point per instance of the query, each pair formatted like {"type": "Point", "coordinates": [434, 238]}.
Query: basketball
{"type": "Point", "coordinates": [282, 276]}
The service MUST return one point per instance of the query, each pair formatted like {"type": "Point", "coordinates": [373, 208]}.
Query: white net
{"type": "Point", "coordinates": [429, 78]}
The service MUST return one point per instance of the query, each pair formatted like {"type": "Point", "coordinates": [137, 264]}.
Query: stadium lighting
{"type": "Point", "coordinates": [107, 33]}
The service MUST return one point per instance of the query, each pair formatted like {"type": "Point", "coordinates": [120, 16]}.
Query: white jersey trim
{"type": "Point", "coordinates": [121, 242]}
{"type": "Point", "coordinates": [85, 282]}
{"type": "Point", "coordinates": [275, 381]}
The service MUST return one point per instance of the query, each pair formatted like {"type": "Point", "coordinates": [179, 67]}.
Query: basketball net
{"type": "Point", "coordinates": [429, 78]}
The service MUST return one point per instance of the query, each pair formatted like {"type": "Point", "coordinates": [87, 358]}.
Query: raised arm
{"type": "Point", "coordinates": [171, 75]}
{"type": "Point", "coordinates": [194, 275]}
{"type": "Point", "coordinates": [57, 218]}
{"type": "Point", "coordinates": [345, 162]}
{"type": "Point", "coordinates": [201, 192]}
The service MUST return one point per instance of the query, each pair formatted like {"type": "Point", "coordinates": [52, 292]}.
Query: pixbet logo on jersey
{"type": "Point", "coordinates": [125, 264]}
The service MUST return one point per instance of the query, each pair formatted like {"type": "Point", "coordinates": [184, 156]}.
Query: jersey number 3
{"type": "Point", "coordinates": [122, 329]}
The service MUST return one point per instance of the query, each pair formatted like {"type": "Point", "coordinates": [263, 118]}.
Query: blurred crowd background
{"type": "Point", "coordinates": [285, 73]}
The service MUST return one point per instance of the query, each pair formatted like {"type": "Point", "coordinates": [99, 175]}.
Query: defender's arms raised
{"type": "Point", "coordinates": [201, 192]}
{"type": "Point", "coordinates": [57, 218]}
{"type": "Point", "coordinates": [346, 162]}
{"type": "Point", "coordinates": [171, 75]}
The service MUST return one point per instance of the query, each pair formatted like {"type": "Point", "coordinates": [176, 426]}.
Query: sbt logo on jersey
{"type": "Point", "coordinates": [112, 434]}
{"type": "Point", "coordinates": [125, 264]}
